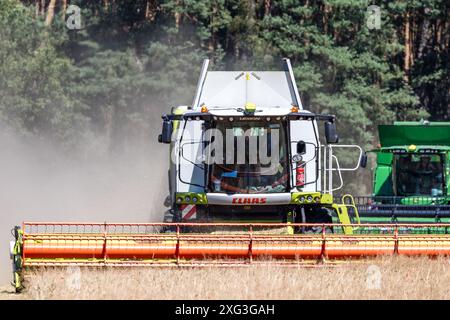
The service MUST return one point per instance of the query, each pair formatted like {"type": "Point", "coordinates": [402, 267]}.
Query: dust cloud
{"type": "Point", "coordinates": [39, 183]}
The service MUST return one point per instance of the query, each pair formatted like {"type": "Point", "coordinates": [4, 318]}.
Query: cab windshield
{"type": "Point", "coordinates": [418, 174]}
{"type": "Point", "coordinates": [254, 161]}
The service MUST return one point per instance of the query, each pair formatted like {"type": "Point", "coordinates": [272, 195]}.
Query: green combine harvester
{"type": "Point", "coordinates": [411, 180]}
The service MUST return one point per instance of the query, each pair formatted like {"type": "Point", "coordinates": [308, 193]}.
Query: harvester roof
{"type": "Point", "coordinates": [237, 89]}
{"type": "Point", "coordinates": [420, 134]}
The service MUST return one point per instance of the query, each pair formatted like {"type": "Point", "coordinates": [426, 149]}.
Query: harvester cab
{"type": "Point", "coordinates": [247, 151]}
{"type": "Point", "coordinates": [411, 179]}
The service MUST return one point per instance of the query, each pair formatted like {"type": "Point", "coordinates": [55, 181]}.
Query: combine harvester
{"type": "Point", "coordinates": [250, 183]}
{"type": "Point", "coordinates": [411, 180]}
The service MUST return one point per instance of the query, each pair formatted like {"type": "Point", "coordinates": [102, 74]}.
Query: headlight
{"type": "Point", "coordinates": [194, 199]}
{"type": "Point", "coordinates": [297, 158]}
{"type": "Point", "coordinates": [302, 199]}
{"type": "Point", "coordinates": [179, 200]}
{"type": "Point", "coordinates": [309, 198]}
{"type": "Point", "coordinates": [187, 198]}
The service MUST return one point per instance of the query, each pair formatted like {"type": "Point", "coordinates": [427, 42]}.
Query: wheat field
{"type": "Point", "coordinates": [383, 278]}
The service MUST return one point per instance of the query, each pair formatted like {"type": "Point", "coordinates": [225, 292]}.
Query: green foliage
{"type": "Point", "coordinates": [131, 62]}
{"type": "Point", "coordinates": [34, 79]}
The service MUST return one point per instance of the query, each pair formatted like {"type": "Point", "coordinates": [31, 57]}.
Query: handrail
{"type": "Point", "coordinates": [349, 146]}
{"type": "Point", "coordinates": [339, 173]}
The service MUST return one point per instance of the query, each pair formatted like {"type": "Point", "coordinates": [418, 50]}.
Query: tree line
{"type": "Point", "coordinates": [131, 60]}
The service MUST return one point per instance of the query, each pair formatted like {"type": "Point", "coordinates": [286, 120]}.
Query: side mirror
{"type": "Point", "coordinates": [166, 135]}
{"type": "Point", "coordinates": [330, 132]}
{"type": "Point", "coordinates": [301, 147]}
{"type": "Point", "coordinates": [363, 161]}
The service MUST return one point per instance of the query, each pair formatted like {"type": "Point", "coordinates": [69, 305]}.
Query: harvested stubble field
{"type": "Point", "coordinates": [384, 278]}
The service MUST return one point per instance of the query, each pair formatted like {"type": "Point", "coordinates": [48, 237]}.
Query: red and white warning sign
{"type": "Point", "coordinates": [188, 211]}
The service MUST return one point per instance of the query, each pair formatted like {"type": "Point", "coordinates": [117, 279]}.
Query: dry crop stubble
{"type": "Point", "coordinates": [382, 278]}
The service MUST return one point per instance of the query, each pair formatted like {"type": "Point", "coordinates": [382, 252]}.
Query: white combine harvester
{"type": "Point", "coordinates": [247, 151]}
